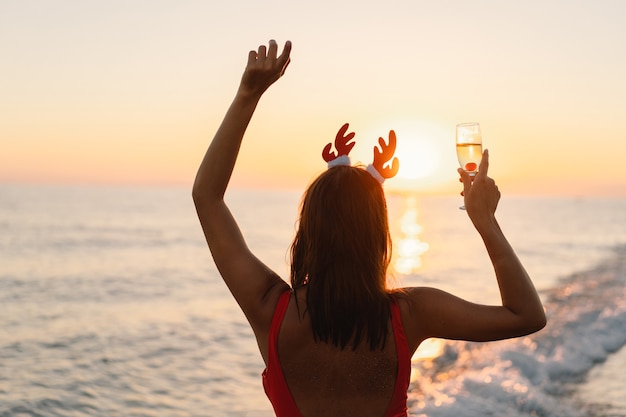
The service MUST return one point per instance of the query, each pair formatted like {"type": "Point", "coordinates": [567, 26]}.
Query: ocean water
{"type": "Point", "coordinates": [110, 304]}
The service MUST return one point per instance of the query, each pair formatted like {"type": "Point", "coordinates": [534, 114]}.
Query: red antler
{"type": "Point", "coordinates": [341, 144]}
{"type": "Point", "coordinates": [381, 157]}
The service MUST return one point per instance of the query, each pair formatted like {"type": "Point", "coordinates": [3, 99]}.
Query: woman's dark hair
{"type": "Point", "coordinates": [341, 253]}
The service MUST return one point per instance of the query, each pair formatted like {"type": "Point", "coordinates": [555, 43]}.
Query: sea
{"type": "Point", "coordinates": [111, 305]}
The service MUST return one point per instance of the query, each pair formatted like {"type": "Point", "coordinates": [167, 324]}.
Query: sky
{"type": "Point", "coordinates": [131, 92]}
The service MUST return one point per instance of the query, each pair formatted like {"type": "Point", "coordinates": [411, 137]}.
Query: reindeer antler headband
{"type": "Point", "coordinates": [381, 157]}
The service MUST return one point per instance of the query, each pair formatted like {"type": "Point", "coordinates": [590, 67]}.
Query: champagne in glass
{"type": "Point", "coordinates": [469, 147]}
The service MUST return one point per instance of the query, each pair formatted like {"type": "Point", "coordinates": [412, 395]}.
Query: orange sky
{"type": "Point", "coordinates": [132, 92]}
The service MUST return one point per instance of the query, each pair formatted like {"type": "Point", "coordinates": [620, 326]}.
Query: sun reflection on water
{"type": "Point", "coordinates": [408, 247]}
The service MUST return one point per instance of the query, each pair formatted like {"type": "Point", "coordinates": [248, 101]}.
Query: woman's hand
{"type": "Point", "coordinates": [264, 68]}
{"type": "Point", "coordinates": [481, 193]}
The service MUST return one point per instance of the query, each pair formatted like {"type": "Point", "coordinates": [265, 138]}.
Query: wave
{"type": "Point", "coordinates": [538, 374]}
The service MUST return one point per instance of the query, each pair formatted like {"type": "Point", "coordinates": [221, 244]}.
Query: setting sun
{"type": "Point", "coordinates": [420, 158]}
{"type": "Point", "coordinates": [426, 154]}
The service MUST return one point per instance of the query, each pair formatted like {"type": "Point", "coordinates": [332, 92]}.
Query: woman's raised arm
{"type": "Point", "coordinates": [450, 317]}
{"type": "Point", "coordinates": [248, 279]}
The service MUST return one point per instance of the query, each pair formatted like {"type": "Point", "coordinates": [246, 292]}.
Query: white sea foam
{"type": "Point", "coordinates": [538, 374]}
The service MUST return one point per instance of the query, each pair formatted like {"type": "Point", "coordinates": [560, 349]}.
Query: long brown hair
{"type": "Point", "coordinates": [341, 253]}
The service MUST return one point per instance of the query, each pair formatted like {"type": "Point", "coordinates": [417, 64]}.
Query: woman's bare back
{"type": "Point", "coordinates": [325, 380]}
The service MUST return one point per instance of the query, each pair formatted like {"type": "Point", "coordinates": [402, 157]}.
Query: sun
{"type": "Point", "coordinates": [422, 148]}
{"type": "Point", "coordinates": [419, 157]}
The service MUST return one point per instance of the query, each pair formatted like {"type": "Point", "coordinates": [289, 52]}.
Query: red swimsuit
{"type": "Point", "coordinates": [274, 380]}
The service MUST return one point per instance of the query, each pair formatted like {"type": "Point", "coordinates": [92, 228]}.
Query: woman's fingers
{"type": "Point", "coordinates": [269, 54]}
{"type": "Point", "coordinates": [483, 168]}
{"type": "Point", "coordinates": [480, 186]}
{"type": "Point", "coordinates": [466, 179]}
{"type": "Point", "coordinates": [261, 53]}
{"type": "Point", "coordinates": [284, 58]}
{"type": "Point", "coordinates": [251, 57]}
{"type": "Point", "coordinates": [272, 50]}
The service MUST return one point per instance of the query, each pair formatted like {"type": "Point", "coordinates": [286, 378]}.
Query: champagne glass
{"type": "Point", "coordinates": [469, 147]}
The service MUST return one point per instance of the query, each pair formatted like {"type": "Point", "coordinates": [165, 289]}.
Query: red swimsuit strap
{"type": "Point", "coordinates": [398, 406]}
{"type": "Point", "coordinates": [273, 379]}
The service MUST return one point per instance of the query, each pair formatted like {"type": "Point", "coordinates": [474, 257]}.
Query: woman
{"type": "Point", "coordinates": [338, 342]}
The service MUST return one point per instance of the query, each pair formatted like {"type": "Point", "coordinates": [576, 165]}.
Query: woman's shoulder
{"type": "Point", "coordinates": [414, 304]}
{"type": "Point", "coordinates": [416, 296]}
